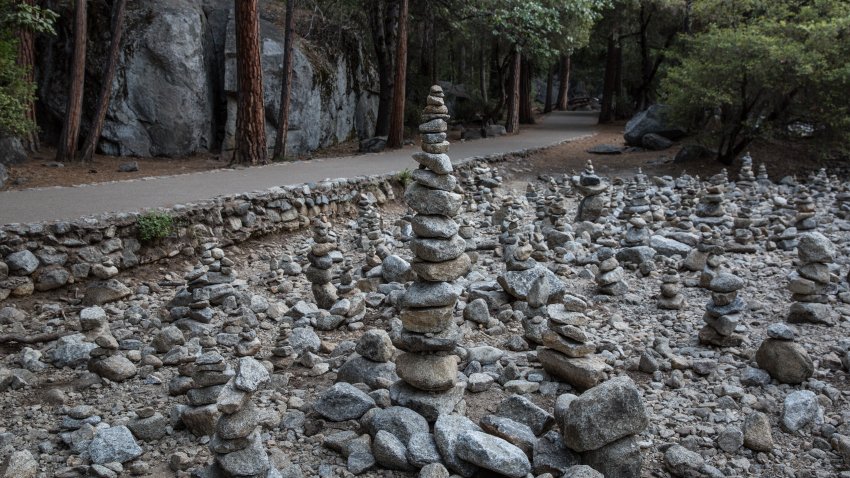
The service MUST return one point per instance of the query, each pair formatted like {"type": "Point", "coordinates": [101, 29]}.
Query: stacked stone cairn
{"type": "Point", "coordinates": [203, 381]}
{"type": "Point", "coordinates": [671, 291]}
{"type": "Point", "coordinates": [568, 350]}
{"type": "Point", "coordinates": [427, 369]}
{"type": "Point", "coordinates": [711, 249]}
{"type": "Point", "coordinates": [711, 210]}
{"type": "Point", "coordinates": [611, 278]}
{"type": "Point", "coordinates": [762, 177]}
{"type": "Point", "coordinates": [842, 202]}
{"type": "Point", "coordinates": [744, 241]}
{"type": "Point", "coordinates": [810, 284]}
{"type": "Point", "coordinates": [591, 187]}
{"type": "Point", "coordinates": [370, 225]}
{"type": "Point", "coordinates": [805, 219]}
{"type": "Point", "coordinates": [746, 178]}
{"type": "Point", "coordinates": [320, 272]}
{"type": "Point", "coordinates": [237, 444]}
{"type": "Point", "coordinates": [723, 312]}
{"type": "Point", "coordinates": [106, 360]}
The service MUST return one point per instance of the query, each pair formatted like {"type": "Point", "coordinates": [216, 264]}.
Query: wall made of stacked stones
{"type": "Point", "coordinates": [67, 252]}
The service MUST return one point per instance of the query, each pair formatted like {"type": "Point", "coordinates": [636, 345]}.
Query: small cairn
{"type": "Point", "coordinates": [712, 248]}
{"type": "Point", "coordinates": [427, 369]}
{"type": "Point", "coordinates": [723, 312]}
{"type": "Point", "coordinates": [842, 202]}
{"type": "Point", "coordinates": [746, 177]}
{"type": "Point", "coordinates": [805, 218]}
{"type": "Point", "coordinates": [591, 187]}
{"type": "Point", "coordinates": [237, 443]}
{"type": "Point", "coordinates": [568, 352]}
{"type": "Point", "coordinates": [762, 178]}
{"type": "Point", "coordinates": [744, 242]}
{"type": "Point", "coordinates": [810, 284]}
{"type": "Point", "coordinates": [671, 291]}
{"type": "Point", "coordinates": [370, 225]}
{"type": "Point", "coordinates": [610, 280]}
{"type": "Point", "coordinates": [206, 380]}
{"type": "Point", "coordinates": [320, 271]}
{"type": "Point", "coordinates": [711, 209]}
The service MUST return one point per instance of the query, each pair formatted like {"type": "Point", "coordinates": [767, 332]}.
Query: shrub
{"type": "Point", "coordinates": [155, 225]}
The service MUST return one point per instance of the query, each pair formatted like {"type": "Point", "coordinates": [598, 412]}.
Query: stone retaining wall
{"type": "Point", "coordinates": [46, 256]}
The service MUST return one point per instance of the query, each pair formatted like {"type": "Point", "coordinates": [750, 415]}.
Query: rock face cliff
{"type": "Point", "coordinates": [175, 86]}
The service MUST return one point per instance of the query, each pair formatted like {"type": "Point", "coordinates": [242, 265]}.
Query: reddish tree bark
{"type": "Point", "coordinates": [564, 85]}
{"type": "Point", "coordinates": [512, 122]}
{"type": "Point", "coordinates": [286, 86]}
{"type": "Point", "coordinates": [26, 60]}
{"type": "Point", "coordinates": [395, 138]}
{"type": "Point", "coordinates": [250, 112]}
{"type": "Point", "coordinates": [67, 147]}
{"type": "Point", "coordinates": [106, 86]}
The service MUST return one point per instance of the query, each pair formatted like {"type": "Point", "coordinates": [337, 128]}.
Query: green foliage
{"type": "Point", "coordinates": [758, 66]}
{"type": "Point", "coordinates": [405, 176]}
{"type": "Point", "coordinates": [541, 29]}
{"type": "Point", "coordinates": [16, 92]}
{"type": "Point", "coordinates": [31, 17]}
{"type": "Point", "coordinates": [154, 225]}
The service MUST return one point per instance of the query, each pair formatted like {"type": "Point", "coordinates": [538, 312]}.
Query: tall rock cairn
{"type": "Point", "coordinates": [319, 273]}
{"type": "Point", "coordinates": [810, 284]}
{"type": "Point", "coordinates": [429, 333]}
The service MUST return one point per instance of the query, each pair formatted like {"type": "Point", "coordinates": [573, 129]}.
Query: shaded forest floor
{"type": "Point", "coordinates": [781, 159]}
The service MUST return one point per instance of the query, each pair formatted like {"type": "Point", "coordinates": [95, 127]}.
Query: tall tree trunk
{"type": "Point", "coordinates": [512, 122]}
{"type": "Point", "coordinates": [606, 115]}
{"type": "Point", "coordinates": [106, 86]}
{"type": "Point", "coordinates": [526, 103]}
{"type": "Point", "coordinates": [67, 147]}
{"type": "Point", "coordinates": [26, 60]}
{"type": "Point", "coordinates": [550, 74]}
{"type": "Point", "coordinates": [482, 75]}
{"type": "Point", "coordinates": [621, 108]}
{"type": "Point", "coordinates": [564, 83]}
{"type": "Point", "coordinates": [250, 109]}
{"type": "Point", "coordinates": [383, 17]}
{"type": "Point", "coordinates": [286, 85]}
{"type": "Point", "coordinates": [395, 139]}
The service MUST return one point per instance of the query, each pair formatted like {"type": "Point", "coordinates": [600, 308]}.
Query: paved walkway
{"type": "Point", "coordinates": [66, 203]}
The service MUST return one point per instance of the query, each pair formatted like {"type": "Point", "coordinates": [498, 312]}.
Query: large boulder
{"type": "Point", "coordinates": [651, 121]}
{"type": "Point", "coordinates": [174, 89]}
{"type": "Point", "coordinates": [603, 415]}
{"type": "Point", "coordinates": [11, 152]}
{"type": "Point", "coordinates": [331, 98]}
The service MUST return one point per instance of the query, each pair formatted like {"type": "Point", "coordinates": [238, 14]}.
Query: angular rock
{"type": "Point", "coordinates": [343, 402]}
{"type": "Point", "coordinates": [603, 415]}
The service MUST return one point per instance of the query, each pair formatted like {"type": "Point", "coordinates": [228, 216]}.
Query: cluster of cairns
{"type": "Point", "coordinates": [399, 398]}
